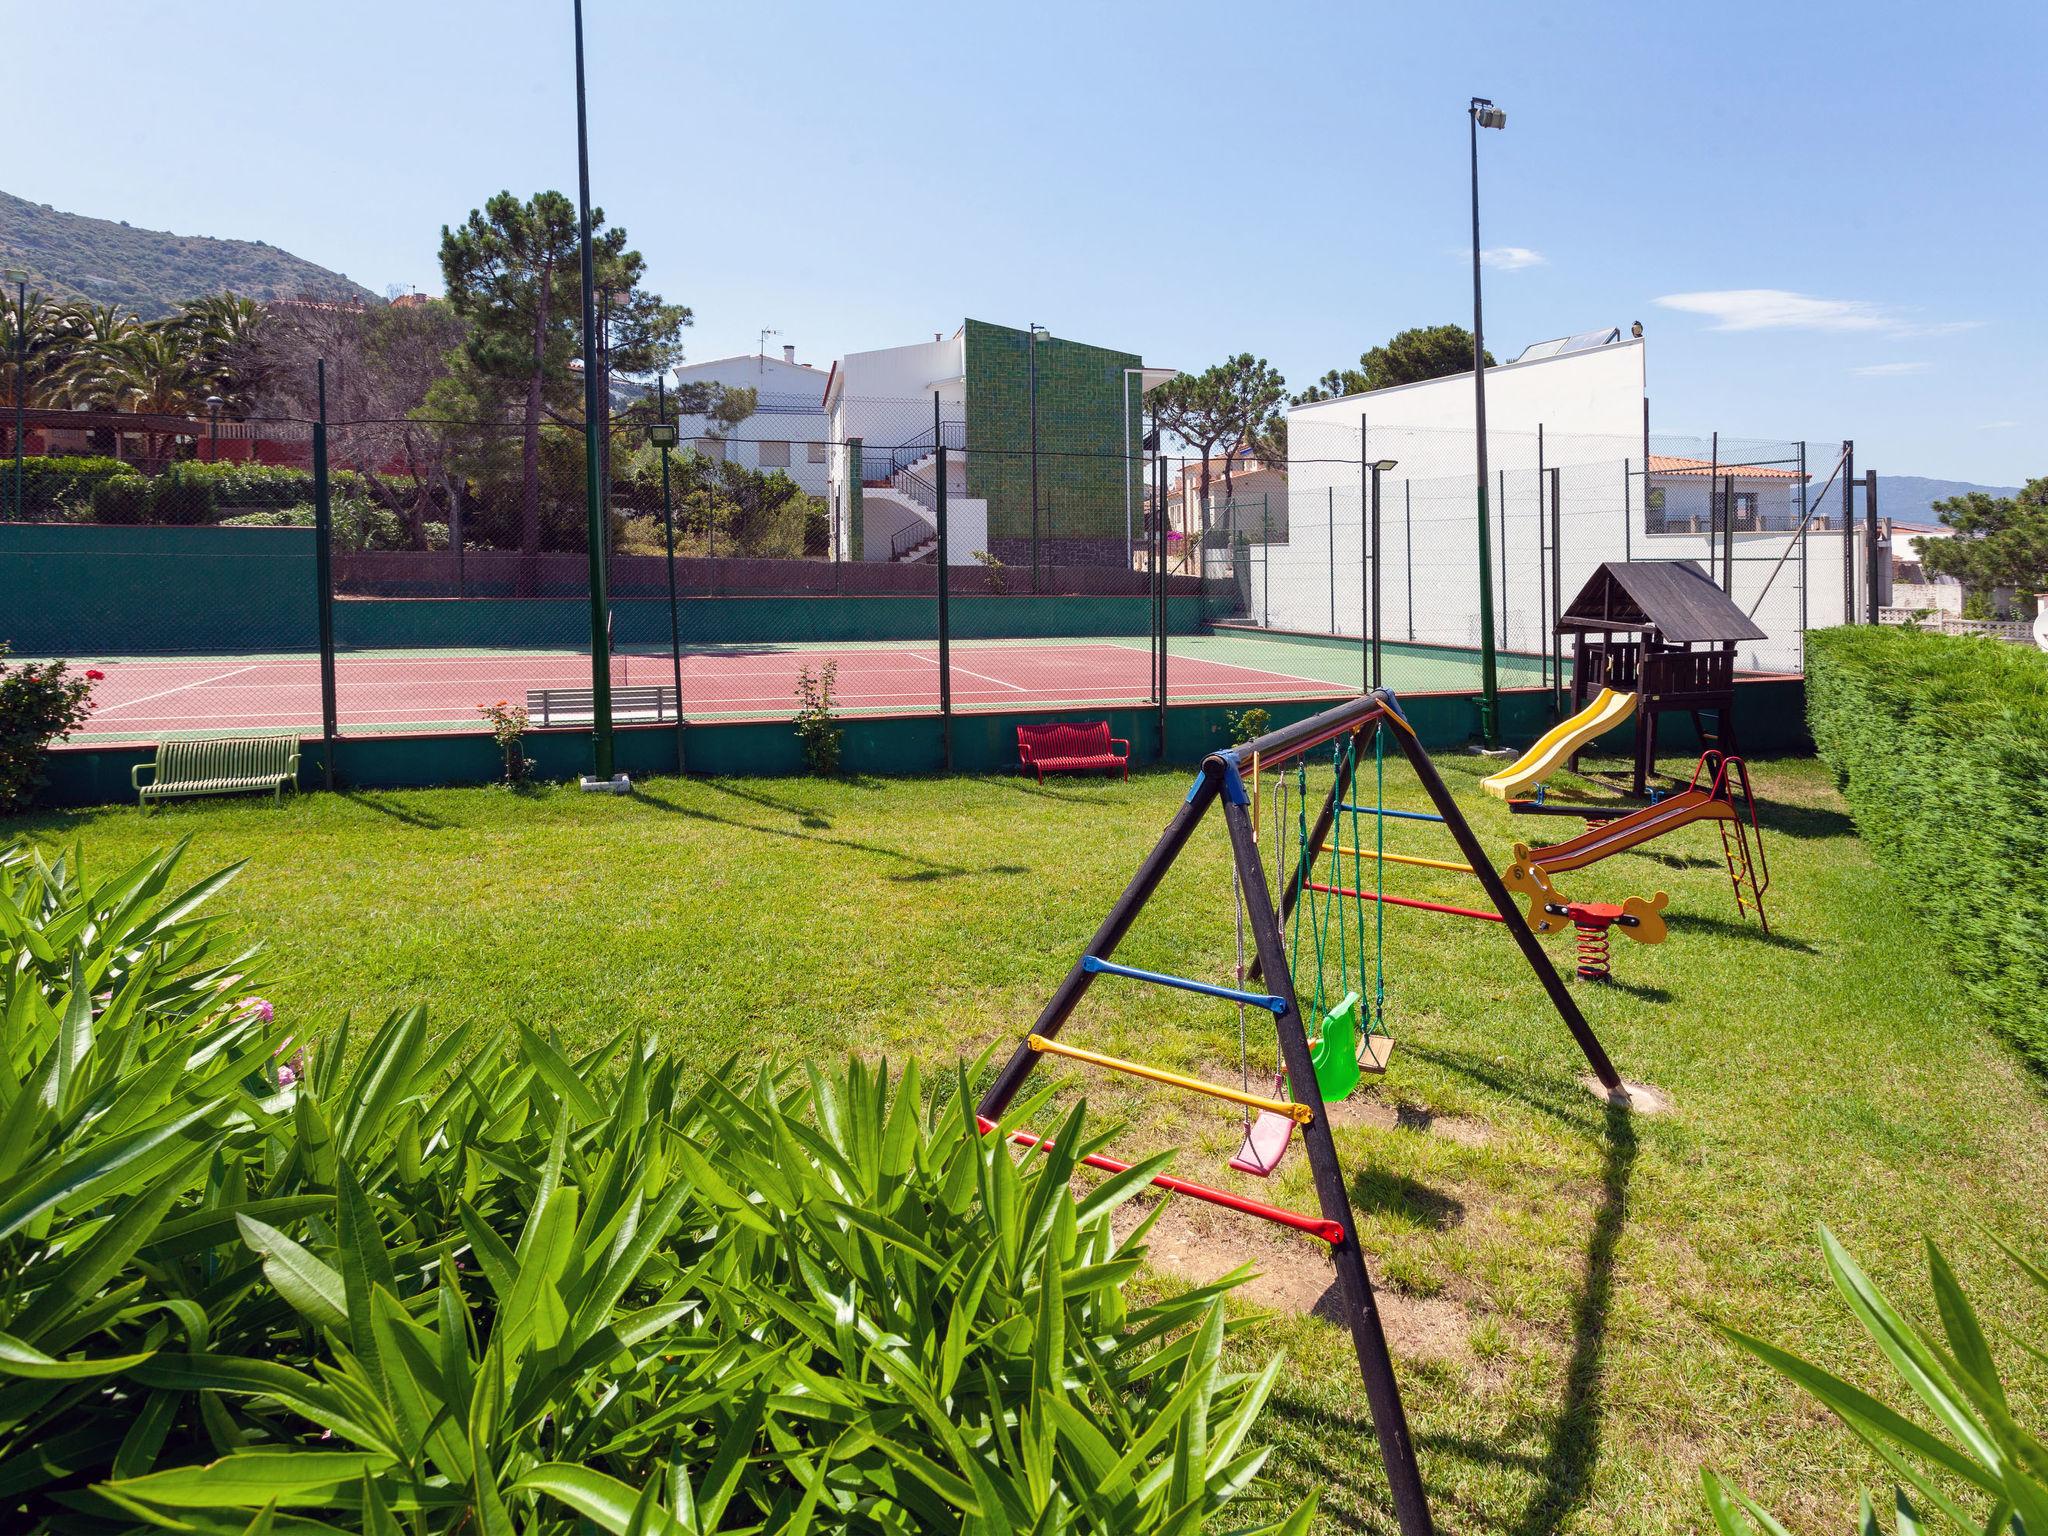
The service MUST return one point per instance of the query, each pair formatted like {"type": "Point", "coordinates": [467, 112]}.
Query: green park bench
{"type": "Point", "coordinates": [219, 765]}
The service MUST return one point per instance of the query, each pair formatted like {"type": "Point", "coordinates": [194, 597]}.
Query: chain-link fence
{"type": "Point", "coordinates": [983, 529]}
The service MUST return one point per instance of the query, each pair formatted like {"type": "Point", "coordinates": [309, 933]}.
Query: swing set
{"type": "Point", "coordinates": [1312, 862]}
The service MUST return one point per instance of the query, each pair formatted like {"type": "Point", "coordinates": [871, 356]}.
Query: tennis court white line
{"type": "Point", "coordinates": [970, 672]}
{"type": "Point", "coordinates": [204, 682]}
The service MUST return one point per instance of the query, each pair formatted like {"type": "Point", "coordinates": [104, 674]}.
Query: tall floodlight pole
{"type": "Point", "coordinates": [20, 281]}
{"type": "Point", "coordinates": [1484, 114]}
{"type": "Point", "coordinates": [593, 405]}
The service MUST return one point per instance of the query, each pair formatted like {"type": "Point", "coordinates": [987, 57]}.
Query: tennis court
{"type": "Point", "coordinates": [143, 698]}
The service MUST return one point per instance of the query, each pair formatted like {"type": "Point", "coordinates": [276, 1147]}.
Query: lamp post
{"type": "Point", "coordinates": [664, 434]}
{"type": "Point", "coordinates": [20, 280]}
{"type": "Point", "coordinates": [213, 405]}
{"type": "Point", "coordinates": [1372, 590]}
{"type": "Point", "coordinates": [593, 504]}
{"type": "Point", "coordinates": [1484, 114]}
{"type": "Point", "coordinates": [1031, 353]}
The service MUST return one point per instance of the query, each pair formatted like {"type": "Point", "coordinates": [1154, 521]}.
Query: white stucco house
{"type": "Point", "coordinates": [788, 430]}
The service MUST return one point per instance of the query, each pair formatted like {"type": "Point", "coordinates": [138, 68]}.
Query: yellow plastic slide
{"type": "Point", "coordinates": [1607, 710]}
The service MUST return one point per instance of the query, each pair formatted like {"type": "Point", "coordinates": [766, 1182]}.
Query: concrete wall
{"type": "Point", "coordinates": [791, 410]}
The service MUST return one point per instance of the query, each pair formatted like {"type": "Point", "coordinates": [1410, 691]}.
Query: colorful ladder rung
{"type": "Point", "coordinates": [1396, 858]}
{"type": "Point", "coordinates": [1381, 810]}
{"type": "Point", "coordinates": [1329, 1231]}
{"type": "Point", "coordinates": [1095, 964]}
{"type": "Point", "coordinates": [1299, 1112]}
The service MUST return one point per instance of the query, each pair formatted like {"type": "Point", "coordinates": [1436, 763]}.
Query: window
{"type": "Point", "coordinates": [1745, 510]}
{"type": "Point", "coordinates": [774, 455]}
{"type": "Point", "coordinates": [816, 452]}
{"type": "Point", "coordinates": [711, 447]}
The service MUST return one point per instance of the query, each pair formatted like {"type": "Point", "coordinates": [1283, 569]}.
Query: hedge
{"type": "Point", "coordinates": [62, 485]}
{"type": "Point", "coordinates": [1940, 744]}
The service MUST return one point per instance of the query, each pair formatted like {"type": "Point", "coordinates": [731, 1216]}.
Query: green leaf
{"type": "Point", "coordinates": [314, 1290]}
{"type": "Point", "coordinates": [595, 1496]}
{"type": "Point", "coordinates": [104, 1168]}
{"type": "Point", "coordinates": [20, 1359]}
{"type": "Point", "coordinates": [251, 1479]}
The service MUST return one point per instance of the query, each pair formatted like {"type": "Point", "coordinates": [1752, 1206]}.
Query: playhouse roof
{"type": "Point", "coordinates": [1674, 597]}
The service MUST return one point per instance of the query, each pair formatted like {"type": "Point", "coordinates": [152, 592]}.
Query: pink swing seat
{"type": "Point", "coordinates": [1267, 1140]}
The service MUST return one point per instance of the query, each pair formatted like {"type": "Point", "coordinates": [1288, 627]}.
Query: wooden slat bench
{"type": "Point", "coordinates": [576, 706]}
{"type": "Point", "coordinates": [1077, 747]}
{"type": "Point", "coordinates": [218, 765]}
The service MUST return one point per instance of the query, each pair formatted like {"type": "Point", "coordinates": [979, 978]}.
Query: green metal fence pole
{"type": "Point", "coordinates": [1159, 505]}
{"type": "Point", "coordinates": [945, 601]}
{"type": "Point", "coordinates": [1408, 548]}
{"type": "Point", "coordinates": [1332, 517]}
{"type": "Point", "coordinates": [593, 406]}
{"type": "Point", "coordinates": [323, 576]}
{"type": "Point", "coordinates": [668, 524]}
{"type": "Point", "coordinates": [1556, 615]}
{"type": "Point", "coordinates": [1266, 561]}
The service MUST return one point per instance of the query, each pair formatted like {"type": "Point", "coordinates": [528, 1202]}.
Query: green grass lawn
{"type": "Point", "coordinates": [1548, 1267]}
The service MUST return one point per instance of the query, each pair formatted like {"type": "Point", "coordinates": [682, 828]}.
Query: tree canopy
{"type": "Point", "coordinates": [1421, 352]}
{"type": "Point", "coordinates": [1231, 405]}
{"type": "Point", "coordinates": [2000, 541]}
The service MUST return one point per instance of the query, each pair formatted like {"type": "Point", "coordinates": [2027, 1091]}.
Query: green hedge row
{"type": "Point", "coordinates": [196, 493]}
{"type": "Point", "coordinates": [1941, 746]}
{"type": "Point", "coordinates": [63, 485]}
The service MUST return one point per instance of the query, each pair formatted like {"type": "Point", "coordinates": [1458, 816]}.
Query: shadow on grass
{"type": "Point", "coordinates": [1039, 791]}
{"type": "Point", "coordinates": [1378, 1191]}
{"type": "Point", "coordinates": [1565, 1472]}
{"type": "Point", "coordinates": [1804, 821]}
{"type": "Point", "coordinates": [1636, 989]}
{"type": "Point", "coordinates": [921, 870]}
{"type": "Point", "coordinates": [385, 805]}
{"type": "Point", "coordinates": [1736, 928]}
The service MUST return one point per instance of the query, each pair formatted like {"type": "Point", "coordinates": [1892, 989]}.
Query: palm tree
{"type": "Point", "coordinates": [48, 345]}
{"type": "Point", "coordinates": [222, 330]}
{"type": "Point", "coordinates": [152, 369]}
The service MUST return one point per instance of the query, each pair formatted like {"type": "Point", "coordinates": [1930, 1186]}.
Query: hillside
{"type": "Point", "coordinates": [1911, 498]}
{"type": "Point", "coordinates": [68, 255]}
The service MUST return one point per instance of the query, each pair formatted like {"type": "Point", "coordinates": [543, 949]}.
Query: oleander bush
{"type": "Point", "coordinates": [1968, 1463]}
{"type": "Point", "coordinates": [61, 486]}
{"type": "Point", "coordinates": [379, 1281]}
{"type": "Point", "coordinates": [1941, 747]}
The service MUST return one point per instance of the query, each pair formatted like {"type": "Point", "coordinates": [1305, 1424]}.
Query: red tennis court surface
{"type": "Point", "coordinates": [146, 698]}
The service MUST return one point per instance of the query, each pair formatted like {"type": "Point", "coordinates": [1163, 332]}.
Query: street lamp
{"type": "Point", "coordinates": [19, 278]}
{"type": "Point", "coordinates": [1484, 114]}
{"type": "Point", "coordinates": [1372, 617]}
{"type": "Point", "coordinates": [664, 434]}
{"type": "Point", "coordinates": [1031, 351]}
{"type": "Point", "coordinates": [213, 405]}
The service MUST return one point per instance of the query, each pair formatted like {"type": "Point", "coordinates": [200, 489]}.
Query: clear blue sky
{"type": "Point", "coordinates": [1844, 202]}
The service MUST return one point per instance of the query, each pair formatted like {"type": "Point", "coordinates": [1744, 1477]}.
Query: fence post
{"type": "Point", "coordinates": [1408, 547]}
{"type": "Point", "coordinates": [1848, 531]}
{"type": "Point", "coordinates": [323, 576]}
{"type": "Point", "coordinates": [1628, 511]}
{"type": "Point", "coordinates": [1543, 488]}
{"type": "Point", "coordinates": [1713, 479]}
{"type": "Point", "coordinates": [1500, 500]}
{"type": "Point", "coordinates": [1557, 593]}
{"type": "Point", "coordinates": [855, 543]}
{"type": "Point", "coordinates": [1159, 515]}
{"type": "Point", "coordinates": [1873, 554]}
{"type": "Point", "coordinates": [945, 608]}
{"type": "Point", "coordinates": [1728, 536]}
{"type": "Point", "coordinates": [1266, 561]}
{"type": "Point", "coordinates": [1331, 513]}
{"type": "Point", "coordinates": [1803, 513]}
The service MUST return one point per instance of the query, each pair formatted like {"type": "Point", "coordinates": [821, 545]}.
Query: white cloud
{"type": "Point", "coordinates": [1511, 258]}
{"type": "Point", "coordinates": [1779, 309]}
{"type": "Point", "coordinates": [1888, 370]}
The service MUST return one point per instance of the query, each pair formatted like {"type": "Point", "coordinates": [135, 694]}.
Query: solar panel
{"type": "Point", "coordinates": [1584, 341]}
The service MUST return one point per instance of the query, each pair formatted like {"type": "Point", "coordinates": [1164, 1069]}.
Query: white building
{"type": "Point", "coordinates": [882, 401]}
{"type": "Point", "coordinates": [788, 429]}
{"type": "Point", "coordinates": [1569, 449]}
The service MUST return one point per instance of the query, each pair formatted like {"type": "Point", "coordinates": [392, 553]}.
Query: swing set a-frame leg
{"type": "Point", "coordinates": [1354, 1285]}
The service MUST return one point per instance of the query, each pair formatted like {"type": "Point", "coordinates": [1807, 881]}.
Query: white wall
{"type": "Point", "coordinates": [884, 398]}
{"type": "Point", "coordinates": [791, 411]}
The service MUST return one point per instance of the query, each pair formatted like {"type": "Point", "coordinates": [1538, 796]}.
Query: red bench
{"type": "Point", "coordinates": [1071, 748]}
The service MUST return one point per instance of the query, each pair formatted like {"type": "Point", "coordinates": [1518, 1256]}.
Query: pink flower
{"type": "Point", "coordinates": [286, 1077]}
{"type": "Point", "coordinates": [94, 674]}
{"type": "Point", "coordinates": [256, 1007]}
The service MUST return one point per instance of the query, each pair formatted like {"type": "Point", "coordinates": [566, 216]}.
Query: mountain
{"type": "Point", "coordinates": [70, 256]}
{"type": "Point", "coordinates": [1911, 498]}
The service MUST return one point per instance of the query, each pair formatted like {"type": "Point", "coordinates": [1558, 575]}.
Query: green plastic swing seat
{"type": "Point", "coordinates": [1335, 1052]}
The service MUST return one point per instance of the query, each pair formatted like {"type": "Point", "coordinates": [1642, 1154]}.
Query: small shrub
{"type": "Point", "coordinates": [509, 724]}
{"type": "Point", "coordinates": [39, 701]}
{"type": "Point", "coordinates": [1247, 724]}
{"type": "Point", "coordinates": [60, 487]}
{"type": "Point", "coordinates": [359, 523]}
{"type": "Point", "coordinates": [1979, 605]}
{"type": "Point", "coordinates": [817, 725]}
{"type": "Point", "coordinates": [998, 577]}
{"type": "Point", "coordinates": [121, 499]}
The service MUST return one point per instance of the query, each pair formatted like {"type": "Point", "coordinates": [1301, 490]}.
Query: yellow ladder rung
{"type": "Point", "coordinates": [1396, 858]}
{"type": "Point", "coordinates": [1301, 1114]}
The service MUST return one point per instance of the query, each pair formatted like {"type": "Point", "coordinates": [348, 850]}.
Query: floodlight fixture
{"type": "Point", "coordinates": [663, 434]}
{"type": "Point", "coordinates": [1487, 114]}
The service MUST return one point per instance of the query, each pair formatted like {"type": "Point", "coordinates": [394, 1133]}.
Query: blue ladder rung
{"type": "Point", "coordinates": [1096, 964]}
{"type": "Point", "coordinates": [1376, 810]}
